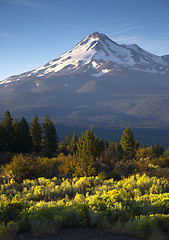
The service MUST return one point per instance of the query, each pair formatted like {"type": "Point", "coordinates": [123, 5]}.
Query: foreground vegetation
{"type": "Point", "coordinates": [138, 205]}
{"type": "Point", "coordinates": [47, 184]}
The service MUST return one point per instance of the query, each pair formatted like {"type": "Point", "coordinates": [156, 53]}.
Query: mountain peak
{"type": "Point", "coordinates": [95, 35]}
{"type": "Point", "coordinates": [98, 55]}
{"type": "Point", "coordinates": [98, 36]}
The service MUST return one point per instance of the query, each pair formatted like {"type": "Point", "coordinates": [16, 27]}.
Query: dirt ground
{"type": "Point", "coordinates": [77, 234]}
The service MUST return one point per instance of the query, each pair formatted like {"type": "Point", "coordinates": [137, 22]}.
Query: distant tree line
{"type": "Point", "coordinates": [18, 137]}
{"type": "Point", "coordinates": [35, 151]}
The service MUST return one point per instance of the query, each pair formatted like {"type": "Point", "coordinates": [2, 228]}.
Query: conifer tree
{"type": "Point", "coordinates": [2, 142]}
{"type": "Point", "coordinates": [127, 143]}
{"type": "Point", "coordinates": [89, 145]}
{"type": "Point", "coordinates": [24, 136]}
{"type": "Point", "coordinates": [16, 137]}
{"type": "Point", "coordinates": [64, 145]}
{"type": "Point", "coordinates": [73, 142]}
{"type": "Point", "coordinates": [50, 139]}
{"type": "Point", "coordinates": [8, 134]}
{"type": "Point", "coordinates": [36, 134]}
{"type": "Point", "coordinates": [67, 140]}
{"type": "Point", "coordinates": [158, 150]}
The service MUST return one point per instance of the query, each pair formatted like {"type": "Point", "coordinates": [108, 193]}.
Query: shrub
{"type": "Point", "coordinates": [141, 227]}
{"type": "Point", "coordinates": [8, 231]}
{"type": "Point", "coordinates": [22, 167]}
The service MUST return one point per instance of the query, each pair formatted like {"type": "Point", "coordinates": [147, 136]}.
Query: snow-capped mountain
{"type": "Point", "coordinates": [91, 56]}
{"type": "Point", "coordinates": [97, 49]}
{"type": "Point", "coordinates": [85, 82]}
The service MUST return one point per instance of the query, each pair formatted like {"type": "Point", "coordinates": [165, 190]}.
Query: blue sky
{"type": "Point", "coordinates": [33, 32]}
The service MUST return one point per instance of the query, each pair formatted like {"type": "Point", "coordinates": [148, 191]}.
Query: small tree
{"type": "Point", "coordinates": [89, 146]}
{"type": "Point", "coordinates": [158, 150]}
{"type": "Point", "coordinates": [111, 154]}
{"type": "Point", "coordinates": [50, 139]}
{"type": "Point", "coordinates": [127, 143]}
{"type": "Point", "coordinates": [36, 134]}
{"type": "Point", "coordinates": [64, 145]}
{"type": "Point", "coordinates": [73, 143]}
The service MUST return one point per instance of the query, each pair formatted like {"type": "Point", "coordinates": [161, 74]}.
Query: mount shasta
{"type": "Point", "coordinates": [98, 82]}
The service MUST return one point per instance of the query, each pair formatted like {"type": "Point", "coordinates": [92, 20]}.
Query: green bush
{"type": "Point", "coordinates": [8, 231]}
{"type": "Point", "coordinates": [44, 205]}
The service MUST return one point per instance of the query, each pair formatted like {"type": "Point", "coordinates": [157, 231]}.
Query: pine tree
{"type": "Point", "coordinates": [2, 142]}
{"type": "Point", "coordinates": [50, 139]}
{"type": "Point", "coordinates": [67, 140]}
{"type": "Point", "coordinates": [73, 142]}
{"type": "Point", "coordinates": [127, 143]}
{"type": "Point", "coordinates": [36, 134]}
{"type": "Point", "coordinates": [89, 146]}
{"type": "Point", "coordinates": [158, 150]}
{"type": "Point", "coordinates": [16, 138]}
{"type": "Point", "coordinates": [24, 136]}
{"type": "Point", "coordinates": [62, 147]}
{"type": "Point", "coordinates": [8, 135]}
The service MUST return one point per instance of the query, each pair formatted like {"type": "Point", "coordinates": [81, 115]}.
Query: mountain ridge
{"type": "Point", "coordinates": [87, 83]}
{"type": "Point", "coordinates": [95, 47]}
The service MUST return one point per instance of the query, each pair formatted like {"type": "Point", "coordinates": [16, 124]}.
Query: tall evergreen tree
{"type": "Point", "coordinates": [24, 136]}
{"type": "Point", "coordinates": [50, 139]}
{"type": "Point", "coordinates": [89, 145]}
{"type": "Point", "coordinates": [127, 143]}
{"type": "Point", "coordinates": [16, 137]}
{"type": "Point", "coordinates": [36, 134]}
{"type": "Point", "coordinates": [8, 135]}
{"type": "Point", "coordinates": [2, 142]}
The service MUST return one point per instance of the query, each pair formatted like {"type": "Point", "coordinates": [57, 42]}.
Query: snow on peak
{"type": "Point", "coordinates": [95, 46]}
{"type": "Point", "coordinates": [80, 55]}
{"type": "Point", "coordinates": [96, 49]}
{"type": "Point", "coordinates": [148, 57]}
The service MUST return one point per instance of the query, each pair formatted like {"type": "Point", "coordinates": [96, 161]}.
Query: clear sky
{"type": "Point", "coordinates": [33, 32]}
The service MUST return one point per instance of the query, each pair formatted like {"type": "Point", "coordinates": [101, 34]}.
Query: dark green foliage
{"type": "Point", "coordinates": [11, 212]}
{"type": "Point", "coordinates": [67, 140]}
{"type": "Point", "coordinates": [69, 145]}
{"type": "Point", "coordinates": [24, 136]}
{"type": "Point", "coordinates": [7, 121]}
{"type": "Point", "coordinates": [73, 143]}
{"type": "Point", "coordinates": [112, 154]}
{"type": "Point", "coordinates": [8, 134]}
{"type": "Point", "coordinates": [89, 145]}
{"type": "Point", "coordinates": [36, 134]}
{"type": "Point", "coordinates": [50, 139]}
{"type": "Point", "coordinates": [137, 145]}
{"type": "Point", "coordinates": [127, 143]}
{"type": "Point", "coordinates": [16, 137]}
{"type": "Point", "coordinates": [2, 142]}
{"type": "Point", "coordinates": [64, 145]}
{"type": "Point", "coordinates": [158, 150]}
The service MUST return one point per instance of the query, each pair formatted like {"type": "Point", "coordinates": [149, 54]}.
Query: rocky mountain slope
{"type": "Point", "coordinates": [98, 82]}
